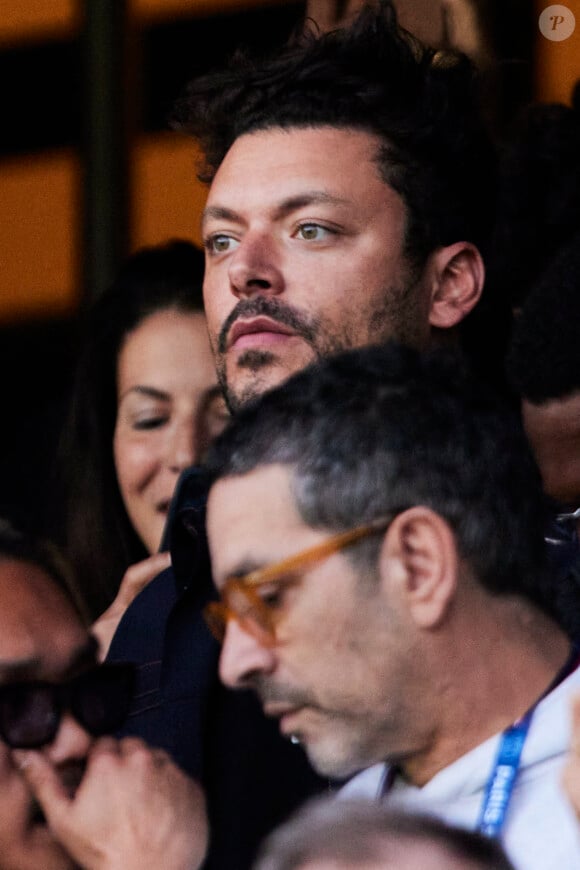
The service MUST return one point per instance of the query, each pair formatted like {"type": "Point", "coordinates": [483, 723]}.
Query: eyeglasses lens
{"type": "Point", "coordinates": [215, 617]}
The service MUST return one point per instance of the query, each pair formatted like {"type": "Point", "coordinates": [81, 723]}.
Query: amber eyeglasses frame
{"type": "Point", "coordinates": [240, 601]}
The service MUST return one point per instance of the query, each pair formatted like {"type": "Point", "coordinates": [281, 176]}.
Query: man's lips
{"type": "Point", "coordinates": [248, 333]}
{"type": "Point", "coordinates": [284, 713]}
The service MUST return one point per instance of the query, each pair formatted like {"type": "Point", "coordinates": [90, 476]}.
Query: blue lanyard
{"type": "Point", "coordinates": [500, 784]}
{"type": "Point", "coordinates": [502, 779]}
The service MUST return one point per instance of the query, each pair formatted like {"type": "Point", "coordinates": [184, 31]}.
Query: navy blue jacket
{"type": "Point", "coordinates": [252, 776]}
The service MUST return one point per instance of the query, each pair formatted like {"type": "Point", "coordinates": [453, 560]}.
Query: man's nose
{"type": "Point", "coordinates": [243, 657]}
{"type": "Point", "coordinates": [255, 267]}
{"type": "Point", "coordinates": [71, 742]}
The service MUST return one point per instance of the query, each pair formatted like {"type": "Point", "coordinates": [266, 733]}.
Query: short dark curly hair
{"type": "Point", "coordinates": [424, 104]}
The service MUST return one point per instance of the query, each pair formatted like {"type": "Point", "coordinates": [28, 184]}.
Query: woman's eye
{"type": "Point", "coordinates": [149, 423]}
{"type": "Point", "coordinates": [220, 244]}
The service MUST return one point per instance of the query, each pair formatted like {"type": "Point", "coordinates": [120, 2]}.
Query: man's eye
{"type": "Point", "coordinates": [220, 244]}
{"type": "Point", "coordinates": [271, 595]}
{"type": "Point", "coordinates": [313, 232]}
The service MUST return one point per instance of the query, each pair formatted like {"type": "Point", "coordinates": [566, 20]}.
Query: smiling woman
{"type": "Point", "coordinates": [145, 405]}
{"type": "Point", "coordinates": [169, 409]}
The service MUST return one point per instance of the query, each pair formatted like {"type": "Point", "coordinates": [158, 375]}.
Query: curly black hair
{"type": "Point", "coordinates": [424, 104]}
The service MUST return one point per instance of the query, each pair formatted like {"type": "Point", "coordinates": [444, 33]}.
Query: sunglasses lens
{"type": "Point", "coordinates": [102, 697]}
{"type": "Point", "coordinates": [29, 716]}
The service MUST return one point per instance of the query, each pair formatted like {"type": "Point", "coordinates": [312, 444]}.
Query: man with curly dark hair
{"type": "Point", "coordinates": [351, 195]}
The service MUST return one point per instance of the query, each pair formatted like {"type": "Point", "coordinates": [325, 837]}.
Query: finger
{"type": "Point", "coordinates": [135, 579]}
{"type": "Point", "coordinates": [44, 783]}
{"type": "Point", "coordinates": [104, 746]}
{"type": "Point", "coordinates": [132, 746]}
{"type": "Point", "coordinates": [139, 575]}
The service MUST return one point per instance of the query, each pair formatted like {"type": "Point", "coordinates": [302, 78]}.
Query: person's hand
{"type": "Point", "coordinates": [134, 809]}
{"type": "Point", "coordinates": [136, 578]}
{"type": "Point", "coordinates": [571, 775]}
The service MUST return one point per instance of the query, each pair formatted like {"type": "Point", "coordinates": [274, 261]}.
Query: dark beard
{"type": "Point", "coordinates": [257, 360]}
{"type": "Point", "coordinates": [397, 318]}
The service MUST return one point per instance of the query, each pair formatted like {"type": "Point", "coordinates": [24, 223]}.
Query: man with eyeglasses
{"type": "Point", "coordinates": [101, 804]}
{"type": "Point", "coordinates": [375, 528]}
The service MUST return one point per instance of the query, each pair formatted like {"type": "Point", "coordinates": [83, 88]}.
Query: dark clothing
{"type": "Point", "coordinates": [564, 564]}
{"type": "Point", "coordinates": [252, 777]}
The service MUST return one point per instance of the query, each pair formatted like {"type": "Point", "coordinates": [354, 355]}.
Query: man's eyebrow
{"type": "Point", "coordinates": [30, 666]}
{"type": "Point", "coordinates": [283, 208]}
{"type": "Point", "coordinates": [308, 197]}
{"type": "Point", "coordinates": [85, 655]}
{"type": "Point", "coordinates": [248, 566]}
{"type": "Point", "coordinates": [219, 212]}
{"type": "Point", "coordinates": [18, 668]}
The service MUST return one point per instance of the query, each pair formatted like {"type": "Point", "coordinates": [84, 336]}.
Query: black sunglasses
{"type": "Point", "coordinates": [99, 699]}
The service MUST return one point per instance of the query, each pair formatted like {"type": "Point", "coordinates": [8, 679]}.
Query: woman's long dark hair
{"type": "Point", "coordinates": [89, 521]}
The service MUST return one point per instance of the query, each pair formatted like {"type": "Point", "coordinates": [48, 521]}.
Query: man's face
{"type": "Point", "coordinates": [336, 675]}
{"type": "Point", "coordinates": [304, 256]}
{"type": "Point", "coordinates": [41, 637]}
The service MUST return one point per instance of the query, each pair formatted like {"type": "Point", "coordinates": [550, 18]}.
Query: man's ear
{"type": "Point", "coordinates": [422, 546]}
{"type": "Point", "coordinates": [455, 274]}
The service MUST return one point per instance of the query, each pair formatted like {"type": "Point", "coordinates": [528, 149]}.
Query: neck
{"type": "Point", "coordinates": [492, 672]}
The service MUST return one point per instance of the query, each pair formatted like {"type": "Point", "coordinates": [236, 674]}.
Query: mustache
{"type": "Point", "coordinates": [274, 693]}
{"type": "Point", "coordinates": [274, 309]}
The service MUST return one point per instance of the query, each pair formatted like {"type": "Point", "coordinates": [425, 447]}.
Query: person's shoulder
{"type": "Point", "coordinates": [143, 623]}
